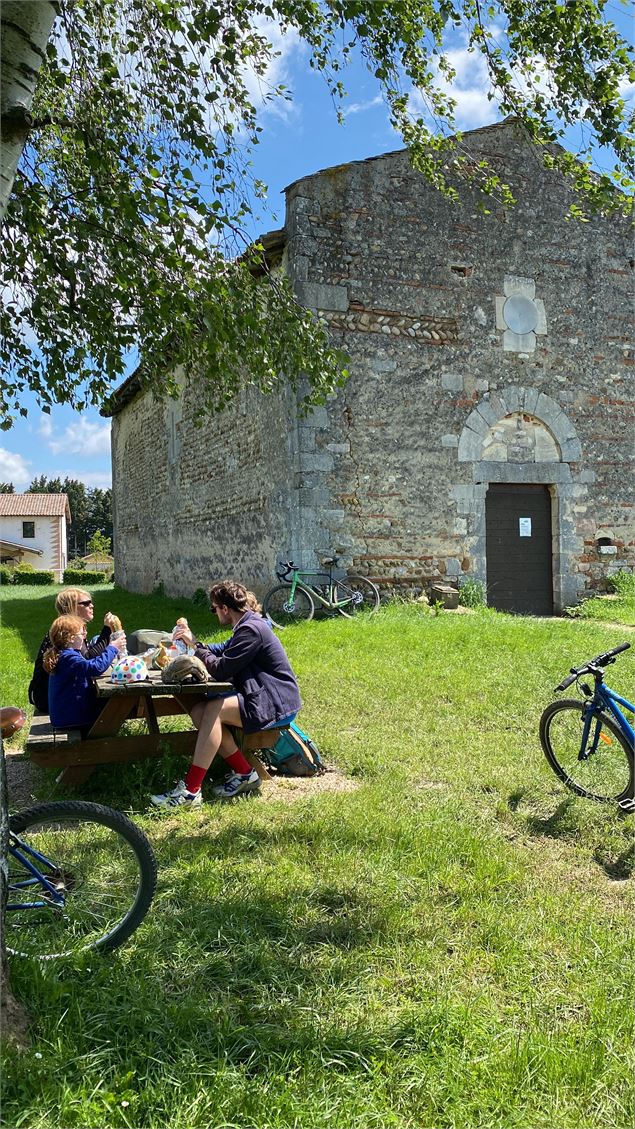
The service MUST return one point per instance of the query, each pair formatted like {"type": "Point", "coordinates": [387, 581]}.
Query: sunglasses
{"type": "Point", "coordinates": [85, 603]}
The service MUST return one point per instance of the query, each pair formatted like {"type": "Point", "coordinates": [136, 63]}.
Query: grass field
{"type": "Point", "coordinates": [447, 944]}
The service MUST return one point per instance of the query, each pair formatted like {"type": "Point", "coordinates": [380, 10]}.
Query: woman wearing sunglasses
{"type": "Point", "coordinates": [76, 602]}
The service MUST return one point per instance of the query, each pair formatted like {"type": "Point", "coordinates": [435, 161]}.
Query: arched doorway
{"type": "Point", "coordinates": [521, 504]}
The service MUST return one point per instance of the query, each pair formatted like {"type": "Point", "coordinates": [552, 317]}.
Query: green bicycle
{"type": "Point", "coordinates": [299, 592]}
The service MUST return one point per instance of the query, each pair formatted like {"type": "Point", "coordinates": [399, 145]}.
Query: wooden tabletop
{"type": "Point", "coordinates": [154, 687]}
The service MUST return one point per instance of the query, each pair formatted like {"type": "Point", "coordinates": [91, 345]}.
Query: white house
{"type": "Point", "coordinates": [33, 531]}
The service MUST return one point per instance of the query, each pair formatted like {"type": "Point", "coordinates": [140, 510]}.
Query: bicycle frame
{"type": "Point", "coordinates": [38, 878]}
{"type": "Point", "coordinates": [315, 593]}
{"type": "Point", "coordinates": [604, 699]}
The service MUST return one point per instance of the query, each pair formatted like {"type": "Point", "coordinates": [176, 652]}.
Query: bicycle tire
{"type": "Point", "coordinates": [106, 861]}
{"type": "Point", "coordinates": [281, 613]}
{"type": "Point", "coordinates": [362, 594]}
{"type": "Point", "coordinates": [607, 774]}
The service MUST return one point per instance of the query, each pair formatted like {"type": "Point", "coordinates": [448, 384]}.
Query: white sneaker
{"type": "Point", "coordinates": [178, 797]}
{"type": "Point", "coordinates": [236, 784]}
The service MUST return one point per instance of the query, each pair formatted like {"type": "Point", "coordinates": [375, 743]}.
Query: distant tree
{"type": "Point", "coordinates": [99, 517]}
{"type": "Point", "coordinates": [99, 545]}
{"type": "Point", "coordinates": [78, 500]}
{"type": "Point", "coordinates": [7, 488]}
{"type": "Point", "coordinates": [44, 485]}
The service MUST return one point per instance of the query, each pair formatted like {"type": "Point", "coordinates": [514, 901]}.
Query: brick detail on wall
{"type": "Point", "coordinates": [428, 329]}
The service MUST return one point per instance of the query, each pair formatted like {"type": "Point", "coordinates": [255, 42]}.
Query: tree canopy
{"type": "Point", "coordinates": [126, 228]}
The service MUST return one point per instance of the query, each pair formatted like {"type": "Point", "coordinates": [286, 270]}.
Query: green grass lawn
{"type": "Point", "coordinates": [447, 945]}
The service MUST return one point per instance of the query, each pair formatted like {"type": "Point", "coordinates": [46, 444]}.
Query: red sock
{"type": "Point", "coordinates": [238, 762]}
{"type": "Point", "coordinates": [195, 777]}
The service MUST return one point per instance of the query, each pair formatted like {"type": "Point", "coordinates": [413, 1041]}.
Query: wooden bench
{"type": "Point", "coordinates": [250, 743]}
{"type": "Point", "coordinates": [78, 757]}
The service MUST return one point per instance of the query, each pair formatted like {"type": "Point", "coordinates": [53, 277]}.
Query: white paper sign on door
{"type": "Point", "coordinates": [524, 527]}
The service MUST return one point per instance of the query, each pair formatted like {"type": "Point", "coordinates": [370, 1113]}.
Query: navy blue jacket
{"type": "Point", "coordinates": [256, 662]}
{"type": "Point", "coordinates": [73, 701]}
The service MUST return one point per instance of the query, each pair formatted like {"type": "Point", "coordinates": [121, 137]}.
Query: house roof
{"type": "Point", "coordinates": [34, 505]}
{"type": "Point", "coordinates": [23, 548]}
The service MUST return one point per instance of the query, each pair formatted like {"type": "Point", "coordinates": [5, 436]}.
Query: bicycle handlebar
{"type": "Point", "coordinates": [284, 568]}
{"type": "Point", "coordinates": [605, 659]}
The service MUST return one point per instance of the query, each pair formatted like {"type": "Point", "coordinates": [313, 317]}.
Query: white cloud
{"type": "Point", "coordinates": [15, 469]}
{"type": "Point", "coordinates": [361, 107]}
{"type": "Point", "coordinates": [285, 46]}
{"type": "Point", "coordinates": [469, 89]}
{"type": "Point", "coordinates": [45, 426]}
{"type": "Point", "coordinates": [88, 439]}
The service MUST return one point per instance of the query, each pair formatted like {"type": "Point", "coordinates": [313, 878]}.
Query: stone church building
{"type": "Point", "coordinates": [487, 429]}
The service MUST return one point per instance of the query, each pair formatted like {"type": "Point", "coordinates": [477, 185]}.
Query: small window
{"type": "Point", "coordinates": [28, 529]}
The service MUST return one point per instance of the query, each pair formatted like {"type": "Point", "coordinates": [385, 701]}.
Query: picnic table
{"type": "Point", "coordinates": [148, 700]}
{"type": "Point", "coordinates": [78, 756]}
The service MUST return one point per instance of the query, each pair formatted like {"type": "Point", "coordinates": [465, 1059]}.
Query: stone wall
{"type": "Point", "coordinates": [193, 505]}
{"type": "Point", "coordinates": [483, 349]}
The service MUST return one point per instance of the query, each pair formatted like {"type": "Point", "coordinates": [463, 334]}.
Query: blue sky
{"type": "Point", "coordinates": [298, 138]}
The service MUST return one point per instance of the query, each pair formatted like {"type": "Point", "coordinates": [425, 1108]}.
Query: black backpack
{"type": "Point", "coordinates": [39, 684]}
{"type": "Point", "coordinates": [294, 754]}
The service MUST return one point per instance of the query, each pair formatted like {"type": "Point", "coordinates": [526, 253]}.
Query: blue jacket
{"type": "Point", "coordinates": [256, 662]}
{"type": "Point", "coordinates": [73, 699]}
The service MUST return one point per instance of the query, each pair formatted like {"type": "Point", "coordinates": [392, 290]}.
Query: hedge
{"type": "Point", "coordinates": [25, 576]}
{"type": "Point", "coordinates": [82, 578]}
{"type": "Point", "coordinates": [6, 575]}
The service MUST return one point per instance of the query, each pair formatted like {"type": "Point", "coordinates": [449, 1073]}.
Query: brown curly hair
{"type": "Point", "coordinates": [230, 594]}
{"type": "Point", "coordinates": [60, 633]}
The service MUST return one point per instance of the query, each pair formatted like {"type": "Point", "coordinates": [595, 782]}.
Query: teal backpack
{"type": "Point", "coordinates": [294, 754]}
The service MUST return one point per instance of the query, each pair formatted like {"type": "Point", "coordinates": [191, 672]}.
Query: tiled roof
{"type": "Point", "coordinates": [34, 505]}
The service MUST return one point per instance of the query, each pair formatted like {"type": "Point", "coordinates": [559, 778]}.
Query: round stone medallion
{"type": "Point", "coordinates": [520, 314]}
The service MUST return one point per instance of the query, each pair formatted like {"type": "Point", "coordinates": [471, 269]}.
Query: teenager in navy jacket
{"type": "Point", "coordinates": [267, 694]}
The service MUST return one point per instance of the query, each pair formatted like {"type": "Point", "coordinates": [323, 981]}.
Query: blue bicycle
{"type": "Point", "coordinates": [588, 743]}
{"type": "Point", "coordinates": [81, 876]}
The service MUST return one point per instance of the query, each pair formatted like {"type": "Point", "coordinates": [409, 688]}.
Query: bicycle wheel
{"type": "Point", "coordinates": [282, 611]}
{"type": "Point", "coordinates": [361, 595]}
{"type": "Point", "coordinates": [606, 774]}
{"type": "Point", "coordinates": [101, 863]}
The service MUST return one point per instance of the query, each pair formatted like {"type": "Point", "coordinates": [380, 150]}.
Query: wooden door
{"type": "Point", "coordinates": [518, 547]}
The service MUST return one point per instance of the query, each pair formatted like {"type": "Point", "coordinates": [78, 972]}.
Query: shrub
{"type": "Point", "coordinates": [199, 599]}
{"type": "Point", "coordinates": [32, 576]}
{"type": "Point", "coordinates": [6, 574]}
{"type": "Point", "coordinates": [472, 593]}
{"type": "Point", "coordinates": [83, 578]}
{"type": "Point", "coordinates": [622, 582]}
{"type": "Point", "coordinates": [77, 563]}
{"type": "Point", "coordinates": [24, 566]}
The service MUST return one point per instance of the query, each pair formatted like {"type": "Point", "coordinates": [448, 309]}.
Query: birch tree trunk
{"type": "Point", "coordinates": [13, 1021]}
{"type": "Point", "coordinates": [25, 28]}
